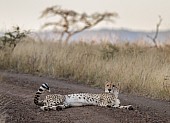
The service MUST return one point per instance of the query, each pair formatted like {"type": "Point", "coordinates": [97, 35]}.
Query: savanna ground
{"type": "Point", "coordinates": [139, 70]}
{"type": "Point", "coordinates": [16, 104]}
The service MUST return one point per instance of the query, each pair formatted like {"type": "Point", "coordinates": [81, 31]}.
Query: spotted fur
{"type": "Point", "coordinates": [58, 101]}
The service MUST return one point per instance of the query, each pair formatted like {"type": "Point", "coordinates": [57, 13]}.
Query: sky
{"type": "Point", "coordinates": [139, 15]}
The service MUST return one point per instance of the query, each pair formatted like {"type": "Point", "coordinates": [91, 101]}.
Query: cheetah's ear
{"type": "Point", "coordinates": [118, 85]}
{"type": "Point", "coordinates": [106, 81]}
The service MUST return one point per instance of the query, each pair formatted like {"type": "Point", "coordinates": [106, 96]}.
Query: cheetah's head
{"type": "Point", "coordinates": [111, 88]}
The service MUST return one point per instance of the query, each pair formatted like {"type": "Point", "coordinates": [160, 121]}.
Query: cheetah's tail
{"type": "Point", "coordinates": [43, 87]}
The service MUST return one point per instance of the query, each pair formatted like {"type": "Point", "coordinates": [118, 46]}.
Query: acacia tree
{"type": "Point", "coordinates": [69, 22]}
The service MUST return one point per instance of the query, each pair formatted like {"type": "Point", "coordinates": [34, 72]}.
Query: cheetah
{"type": "Point", "coordinates": [59, 102]}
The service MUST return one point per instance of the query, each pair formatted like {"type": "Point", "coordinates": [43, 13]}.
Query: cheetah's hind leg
{"type": "Point", "coordinates": [45, 108]}
{"type": "Point", "coordinates": [57, 107]}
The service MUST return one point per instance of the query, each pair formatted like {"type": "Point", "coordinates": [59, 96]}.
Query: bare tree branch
{"type": "Point", "coordinates": [156, 33]}
{"type": "Point", "coordinates": [72, 22]}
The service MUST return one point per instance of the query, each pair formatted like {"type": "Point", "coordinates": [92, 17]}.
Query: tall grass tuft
{"type": "Point", "coordinates": [137, 69]}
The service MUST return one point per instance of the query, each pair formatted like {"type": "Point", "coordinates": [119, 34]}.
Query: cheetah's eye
{"type": "Point", "coordinates": [113, 85]}
{"type": "Point", "coordinates": [107, 85]}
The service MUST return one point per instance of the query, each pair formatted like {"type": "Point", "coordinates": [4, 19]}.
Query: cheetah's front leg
{"type": "Point", "coordinates": [117, 105]}
{"type": "Point", "coordinates": [129, 107]}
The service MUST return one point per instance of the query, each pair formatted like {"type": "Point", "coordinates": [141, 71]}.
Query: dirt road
{"type": "Point", "coordinates": [16, 104]}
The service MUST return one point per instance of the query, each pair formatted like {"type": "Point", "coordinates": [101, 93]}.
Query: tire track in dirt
{"type": "Point", "coordinates": [17, 93]}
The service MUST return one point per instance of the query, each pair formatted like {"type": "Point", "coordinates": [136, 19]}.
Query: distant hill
{"type": "Point", "coordinates": [122, 35]}
{"type": "Point", "coordinates": [112, 35]}
{"type": "Point", "coordinates": [1, 34]}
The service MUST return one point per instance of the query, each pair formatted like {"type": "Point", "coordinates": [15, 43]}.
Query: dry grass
{"type": "Point", "coordinates": [138, 69]}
